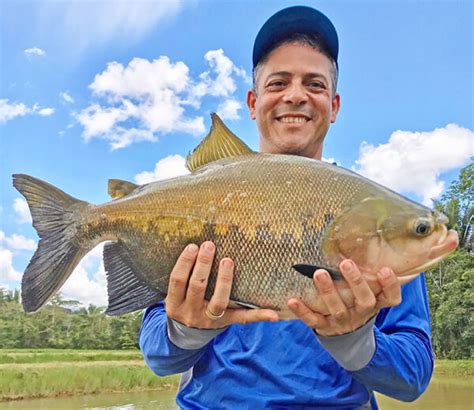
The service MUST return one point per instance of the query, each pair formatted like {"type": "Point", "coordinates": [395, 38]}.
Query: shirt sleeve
{"type": "Point", "coordinates": [395, 356]}
{"type": "Point", "coordinates": [168, 347]}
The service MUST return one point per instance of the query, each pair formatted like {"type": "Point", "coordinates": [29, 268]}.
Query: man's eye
{"type": "Point", "coordinates": [276, 84]}
{"type": "Point", "coordinates": [315, 84]}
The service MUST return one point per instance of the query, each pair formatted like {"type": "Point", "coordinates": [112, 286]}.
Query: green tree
{"type": "Point", "coordinates": [458, 205]}
{"type": "Point", "coordinates": [450, 284]}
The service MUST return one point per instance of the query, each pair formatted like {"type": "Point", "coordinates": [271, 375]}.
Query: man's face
{"type": "Point", "coordinates": [293, 101]}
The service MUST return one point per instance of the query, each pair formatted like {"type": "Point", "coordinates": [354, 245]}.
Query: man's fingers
{"type": "Point", "coordinates": [312, 319]}
{"type": "Point", "coordinates": [391, 290]}
{"type": "Point", "coordinates": [330, 296]}
{"type": "Point", "coordinates": [220, 299]}
{"type": "Point", "coordinates": [180, 275]}
{"type": "Point", "coordinates": [363, 295]}
{"type": "Point", "coordinates": [199, 278]}
{"type": "Point", "coordinates": [244, 316]}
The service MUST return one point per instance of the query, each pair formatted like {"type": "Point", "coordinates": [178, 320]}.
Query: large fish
{"type": "Point", "coordinates": [279, 217]}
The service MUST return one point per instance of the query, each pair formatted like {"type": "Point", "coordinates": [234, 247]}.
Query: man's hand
{"type": "Point", "coordinates": [185, 301]}
{"type": "Point", "coordinates": [343, 319]}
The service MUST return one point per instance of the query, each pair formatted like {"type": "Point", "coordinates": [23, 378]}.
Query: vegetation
{"type": "Point", "coordinates": [60, 326]}
{"type": "Point", "coordinates": [458, 205]}
{"type": "Point", "coordinates": [38, 373]}
{"type": "Point", "coordinates": [450, 284]}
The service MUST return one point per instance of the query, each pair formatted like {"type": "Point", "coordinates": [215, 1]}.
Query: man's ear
{"type": "Point", "coordinates": [251, 100]}
{"type": "Point", "coordinates": [336, 104]}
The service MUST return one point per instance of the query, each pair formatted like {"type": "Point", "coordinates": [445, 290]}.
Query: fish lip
{"type": "Point", "coordinates": [449, 243]}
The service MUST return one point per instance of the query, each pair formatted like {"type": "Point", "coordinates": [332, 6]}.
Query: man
{"type": "Point", "coordinates": [233, 359]}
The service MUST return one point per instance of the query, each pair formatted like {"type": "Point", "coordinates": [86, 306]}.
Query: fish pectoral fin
{"type": "Point", "coordinates": [234, 304]}
{"type": "Point", "coordinates": [220, 143]}
{"type": "Point", "coordinates": [118, 188]}
{"type": "Point", "coordinates": [308, 270]}
{"type": "Point", "coordinates": [125, 290]}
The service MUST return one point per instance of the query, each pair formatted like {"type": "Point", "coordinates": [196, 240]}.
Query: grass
{"type": "Point", "coordinates": [454, 368]}
{"type": "Point", "coordinates": [49, 373]}
{"type": "Point", "coordinates": [65, 355]}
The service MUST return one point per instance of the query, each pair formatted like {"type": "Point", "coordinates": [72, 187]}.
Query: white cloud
{"type": "Point", "coordinates": [7, 271]}
{"type": "Point", "coordinates": [412, 162]}
{"type": "Point", "coordinates": [46, 112]}
{"type": "Point", "coordinates": [169, 167]}
{"type": "Point", "coordinates": [149, 98]}
{"type": "Point", "coordinates": [17, 242]}
{"type": "Point", "coordinates": [34, 51]}
{"type": "Point", "coordinates": [20, 206]}
{"type": "Point", "coordinates": [223, 84]}
{"type": "Point", "coordinates": [65, 97]}
{"type": "Point", "coordinates": [331, 160]}
{"type": "Point", "coordinates": [88, 283]}
{"type": "Point", "coordinates": [228, 110]}
{"type": "Point", "coordinates": [9, 110]}
{"type": "Point", "coordinates": [85, 24]}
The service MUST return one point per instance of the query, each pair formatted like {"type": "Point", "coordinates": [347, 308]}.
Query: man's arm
{"type": "Point", "coordinates": [393, 357]}
{"type": "Point", "coordinates": [402, 363]}
{"type": "Point", "coordinates": [169, 347]}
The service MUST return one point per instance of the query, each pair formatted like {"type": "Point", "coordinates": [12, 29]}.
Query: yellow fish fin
{"type": "Point", "coordinates": [220, 143]}
{"type": "Point", "coordinates": [119, 188]}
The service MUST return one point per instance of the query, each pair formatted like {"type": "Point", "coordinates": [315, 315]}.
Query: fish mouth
{"type": "Point", "coordinates": [447, 244]}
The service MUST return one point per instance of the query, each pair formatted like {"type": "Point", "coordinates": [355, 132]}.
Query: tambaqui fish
{"type": "Point", "coordinates": [279, 217]}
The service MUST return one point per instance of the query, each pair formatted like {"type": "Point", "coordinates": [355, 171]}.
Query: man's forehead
{"type": "Point", "coordinates": [311, 62]}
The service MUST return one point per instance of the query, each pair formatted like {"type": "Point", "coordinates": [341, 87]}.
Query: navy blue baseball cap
{"type": "Point", "coordinates": [295, 20]}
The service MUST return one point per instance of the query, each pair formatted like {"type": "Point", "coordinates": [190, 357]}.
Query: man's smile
{"type": "Point", "coordinates": [292, 119]}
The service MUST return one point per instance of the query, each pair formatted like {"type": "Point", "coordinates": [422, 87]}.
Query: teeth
{"type": "Point", "coordinates": [293, 119]}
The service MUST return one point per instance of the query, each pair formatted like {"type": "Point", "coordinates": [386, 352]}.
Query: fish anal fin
{"type": "Point", "coordinates": [118, 188]}
{"type": "Point", "coordinates": [126, 291]}
{"type": "Point", "coordinates": [220, 143]}
{"type": "Point", "coordinates": [308, 271]}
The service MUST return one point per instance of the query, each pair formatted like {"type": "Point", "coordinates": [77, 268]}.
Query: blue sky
{"type": "Point", "coordinates": [94, 90]}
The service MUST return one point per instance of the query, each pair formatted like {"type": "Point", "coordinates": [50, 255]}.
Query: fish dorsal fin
{"type": "Point", "coordinates": [119, 188]}
{"type": "Point", "coordinates": [219, 143]}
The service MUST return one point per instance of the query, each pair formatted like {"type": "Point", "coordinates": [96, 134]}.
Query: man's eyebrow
{"type": "Point", "coordinates": [289, 74]}
{"type": "Point", "coordinates": [278, 74]}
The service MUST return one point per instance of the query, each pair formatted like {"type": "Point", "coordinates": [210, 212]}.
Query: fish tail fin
{"type": "Point", "coordinates": [55, 215]}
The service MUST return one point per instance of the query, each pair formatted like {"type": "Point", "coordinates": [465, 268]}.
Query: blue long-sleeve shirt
{"type": "Point", "coordinates": [284, 365]}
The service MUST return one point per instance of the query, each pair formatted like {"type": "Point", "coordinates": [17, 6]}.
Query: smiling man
{"type": "Point", "coordinates": [242, 358]}
{"type": "Point", "coordinates": [294, 99]}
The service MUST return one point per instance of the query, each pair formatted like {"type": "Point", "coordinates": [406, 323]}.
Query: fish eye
{"type": "Point", "coordinates": [422, 227]}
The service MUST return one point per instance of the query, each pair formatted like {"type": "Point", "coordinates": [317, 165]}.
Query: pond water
{"type": "Point", "coordinates": [444, 393]}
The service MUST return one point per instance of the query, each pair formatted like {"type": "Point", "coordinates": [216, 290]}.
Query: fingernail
{"type": "Point", "coordinates": [384, 274]}
{"type": "Point", "coordinates": [227, 263]}
{"type": "Point", "coordinates": [208, 246]}
{"type": "Point", "coordinates": [349, 266]}
{"type": "Point", "coordinates": [192, 248]}
{"type": "Point", "coordinates": [321, 276]}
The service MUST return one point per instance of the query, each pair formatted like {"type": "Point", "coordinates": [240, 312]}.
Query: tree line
{"type": "Point", "coordinates": [64, 324]}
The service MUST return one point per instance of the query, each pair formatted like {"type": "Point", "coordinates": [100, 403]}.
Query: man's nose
{"type": "Point", "coordinates": [295, 94]}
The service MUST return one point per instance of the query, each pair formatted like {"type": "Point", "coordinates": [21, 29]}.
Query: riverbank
{"type": "Point", "coordinates": [51, 373]}
{"type": "Point", "coordinates": [26, 374]}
